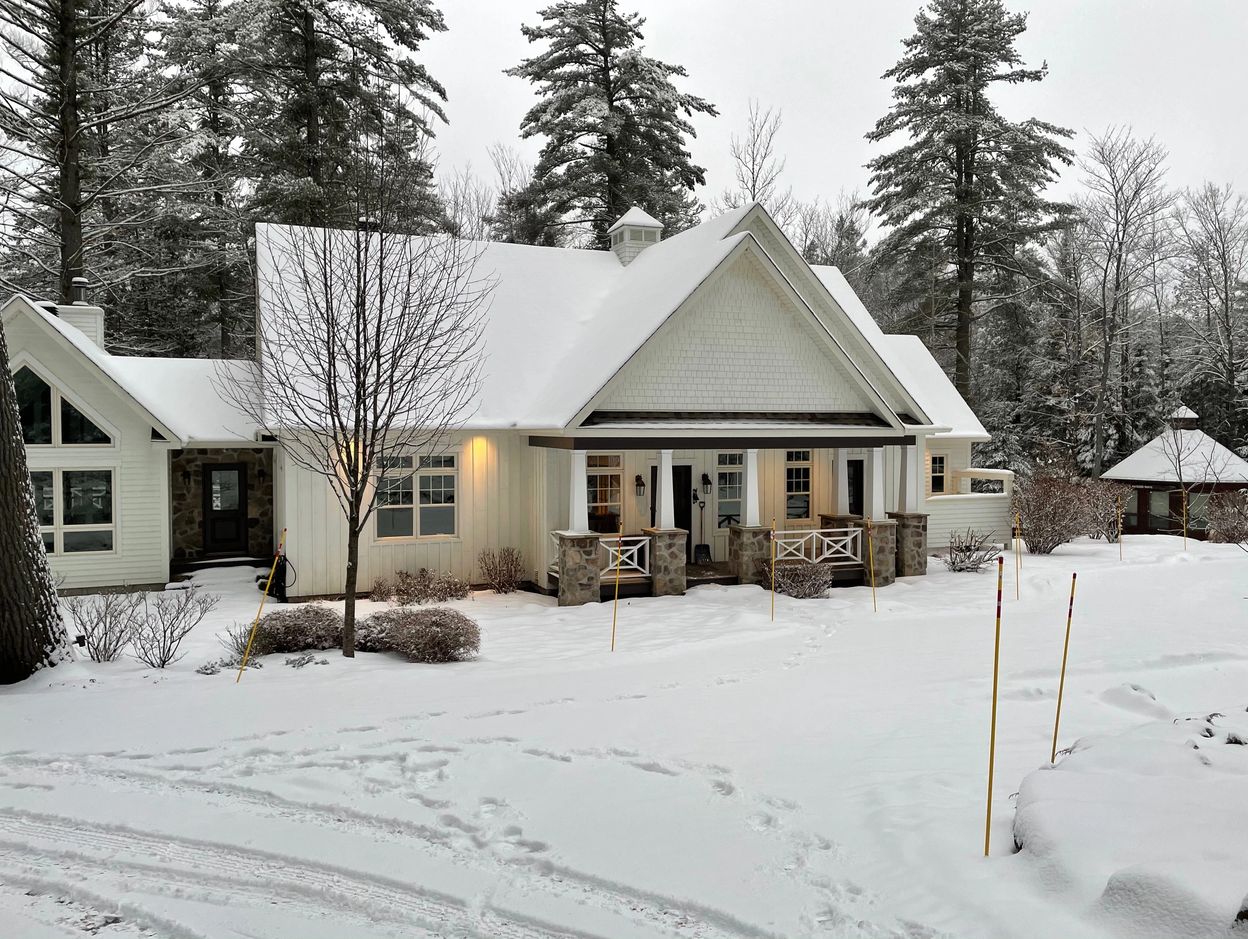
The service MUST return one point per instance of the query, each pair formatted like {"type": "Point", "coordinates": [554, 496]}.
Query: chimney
{"type": "Point", "coordinates": [1184, 418]}
{"type": "Point", "coordinates": [81, 313]}
{"type": "Point", "coordinates": [634, 233]}
{"type": "Point", "coordinates": [78, 291]}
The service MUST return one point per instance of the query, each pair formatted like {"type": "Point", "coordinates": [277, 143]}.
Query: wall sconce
{"type": "Point", "coordinates": [186, 477]}
{"type": "Point", "coordinates": [640, 484]}
{"type": "Point", "coordinates": [261, 474]}
{"type": "Point", "coordinates": [706, 484]}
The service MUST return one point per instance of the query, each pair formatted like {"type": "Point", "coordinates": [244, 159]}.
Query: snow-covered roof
{"type": "Point", "coordinates": [638, 217]}
{"type": "Point", "coordinates": [1190, 457]}
{"type": "Point", "coordinates": [1184, 413]}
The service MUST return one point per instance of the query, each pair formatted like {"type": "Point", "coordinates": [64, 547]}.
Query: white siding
{"type": "Point", "coordinates": [140, 467]}
{"type": "Point", "coordinates": [983, 511]}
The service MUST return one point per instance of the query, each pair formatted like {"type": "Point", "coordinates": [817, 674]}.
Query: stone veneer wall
{"type": "Point", "coordinates": [186, 495]}
{"type": "Point", "coordinates": [747, 548]}
{"type": "Point", "coordinates": [882, 550]}
{"type": "Point", "coordinates": [911, 543]}
{"type": "Point", "coordinates": [580, 572]}
{"type": "Point", "coordinates": [667, 560]}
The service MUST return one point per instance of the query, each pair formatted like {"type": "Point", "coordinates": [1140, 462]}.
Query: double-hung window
{"type": "Point", "coordinates": [75, 509]}
{"type": "Point", "coordinates": [604, 479]}
{"type": "Point", "coordinates": [797, 488]}
{"type": "Point", "coordinates": [729, 483]}
{"type": "Point", "coordinates": [938, 473]}
{"type": "Point", "coordinates": [416, 496]}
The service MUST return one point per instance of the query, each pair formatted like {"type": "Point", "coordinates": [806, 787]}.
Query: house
{"type": "Point", "coordinates": [1173, 476]}
{"type": "Point", "coordinates": [686, 390]}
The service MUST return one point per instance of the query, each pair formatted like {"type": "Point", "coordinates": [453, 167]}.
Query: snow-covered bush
{"type": "Point", "coordinates": [436, 635]}
{"type": "Point", "coordinates": [299, 627]}
{"type": "Point", "coordinates": [503, 569]}
{"type": "Point", "coordinates": [802, 581]}
{"type": "Point", "coordinates": [1227, 515]}
{"type": "Point", "coordinates": [234, 641]}
{"type": "Point", "coordinates": [1053, 510]}
{"type": "Point", "coordinates": [1103, 500]}
{"type": "Point", "coordinates": [166, 621]}
{"type": "Point", "coordinates": [382, 590]}
{"type": "Point", "coordinates": [970, 551]}
{"type": "Point", "coordinates": [426, 586]}
{"type": "Point", "coordinates": [108, 620]}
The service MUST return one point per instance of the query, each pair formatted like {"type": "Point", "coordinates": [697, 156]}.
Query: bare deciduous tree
{"type": "Point", "coordinates": [758, 168]}
{"type": "Point", "coordinates": [468, 202]}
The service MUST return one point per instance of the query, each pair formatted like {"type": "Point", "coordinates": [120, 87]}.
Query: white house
{"type": "Point", "coordinates": [690, 389]}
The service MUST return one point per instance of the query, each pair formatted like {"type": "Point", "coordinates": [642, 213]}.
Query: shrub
{"type": "Point", "coordinates": [1101, 501]}
{"type": "Point", "coordinates": [436, 635]}
{"type": "Point", "coordinates": [503, 569]}
{"type": "Point", "coordinates": [382, 589]}
{"type": "Point", "coordinates": [1053, 511]}
{"type": "Point", "coordinates": [166, 621]}
{"type": "Point", "coordinates": [108, 620]}
{"type": "Point", "coordinates": [970, 551]}
{"type": "Point", "coordinates": [1227, 516]}
{"type": "Point", "coordinates": [299, 627]}
{"type": "Point", "coordinates": [426, 586]}
{"type": "Point", "coordinates": [234, 641]}
{"type": "Point", "coordinates": [802, 581]}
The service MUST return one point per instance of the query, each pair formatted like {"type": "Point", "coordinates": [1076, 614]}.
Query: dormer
{"type": "Point", "coordinates": [633, 233]}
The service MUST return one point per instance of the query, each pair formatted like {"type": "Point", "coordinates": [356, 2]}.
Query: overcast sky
{"type": "Point", "coordinates": [1173, 69]}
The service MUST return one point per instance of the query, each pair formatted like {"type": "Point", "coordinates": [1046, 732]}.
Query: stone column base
{"type": "Point", "coordinates": [667, 561]}
{"type": "Point", "coordinates": [883, 549]}
{"type": "Point", "coordinates": [911, 543]}
{"type": "Point", "coordinates": [838, 521]}
{"type": "Point", "coordinates": [580, 569]}
{"type": "Point", "coordinates": [747, 548]}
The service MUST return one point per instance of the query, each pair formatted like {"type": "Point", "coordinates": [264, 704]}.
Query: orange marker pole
{"type": "Point", "coordinates": [773, 568]}
{"type": "Point", "coordinates": [615, 607]}
{"type": "Point", "coordinates": [1184, 519]}
{"type": "Point", "coordinates": [281, 542]}
{"type": "Point", "coordinates": [871, 564]}
{"type": "Point", "coordinates": [1018, 550]}
{"type": "Point", "coordinates": [992, 734]}
{"type": "Point", "coordinates": [1061, 685]}
{"type": "Point", "coordinates": [1120, 533]}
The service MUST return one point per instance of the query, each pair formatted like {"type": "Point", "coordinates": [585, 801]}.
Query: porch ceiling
{"type": "Point", "coordinates": [726, 437]}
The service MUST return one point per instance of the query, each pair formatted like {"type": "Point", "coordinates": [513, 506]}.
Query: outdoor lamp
{"type": "Point", "coordinates": [706, 484]}
{"type": "Point", "coordinates": [640, 484]}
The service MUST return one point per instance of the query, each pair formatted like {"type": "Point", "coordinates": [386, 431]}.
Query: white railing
{"type": "Point", "coordinates": [631, 552]}
{"type": "Point", "coordinates": [835, 547]}
{"type": "Point", "coordinates": [1004, 477]}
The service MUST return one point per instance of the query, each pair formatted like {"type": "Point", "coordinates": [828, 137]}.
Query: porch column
{"type": "Point", "coordinates": [908, 480]}
{"type": "Point", "coordinates": [750, 515]}
{"type": "Point", "coordinates": [840, 473]}
{"type": "Point", "coordinates": [667, 499]}
{"type": "Point", "coordinates": [578, 494]}
{"type": "Point", "coordinates": [874, 473]}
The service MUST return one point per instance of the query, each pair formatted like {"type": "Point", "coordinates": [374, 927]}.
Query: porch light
{"type": "Point", "coordinates": [706, 484]}
{"type": "Point", "coordinates": [640, 484]}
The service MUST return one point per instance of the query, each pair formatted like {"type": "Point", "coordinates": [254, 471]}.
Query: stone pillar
{"type": "Point", "coordinates": [838, 521]}
{"type": "Point", "coordinates": [911, 543]}
{"type": "Point", "coordinates": [883, 549]}
{"type": "Point", "coordinates": [749, 517]}
{"type": "Point", "coordinates": [578, 494]}
{"type": "Point", "coordinates": [580, 567]}
{"type": "Point", "coordinates": [840, 475]}
{"type": "Point", "coordinates": [748, 547]}
{"type": "Point", "coordinates": [666, 516]}
{"type": "Point", "coordinates": [667, 560]}
{"type": "Point", "coordinates": [873, 481]}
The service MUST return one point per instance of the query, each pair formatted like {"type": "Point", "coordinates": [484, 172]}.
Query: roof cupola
{"type": "Point", "coordinates": [635, 231]}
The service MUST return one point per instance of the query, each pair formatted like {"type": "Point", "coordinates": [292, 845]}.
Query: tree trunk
{"type": "Point", "coordinates": [69, 156]}
{"type": "Point", "coordinates": [353, 576]}
{"type": "Point", "coordinates": [32, 634]}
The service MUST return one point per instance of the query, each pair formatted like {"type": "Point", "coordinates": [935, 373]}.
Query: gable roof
{"type": "Point", "coordinates": [178, 396]}
{"type": "Point", "coordinates": [1201, 459]}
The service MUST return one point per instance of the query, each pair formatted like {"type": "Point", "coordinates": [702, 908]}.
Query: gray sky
{"type": "Point", "coordinates": [1173, 69]}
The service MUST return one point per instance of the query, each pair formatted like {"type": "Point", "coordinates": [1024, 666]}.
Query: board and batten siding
{"type": "Point", "coordinates": [986, 512]}
{"type": "Point", "coordinates": [139, 465]}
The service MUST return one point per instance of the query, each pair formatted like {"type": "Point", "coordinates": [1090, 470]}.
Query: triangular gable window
{"type": "Point", "coordinates": [39, 406]}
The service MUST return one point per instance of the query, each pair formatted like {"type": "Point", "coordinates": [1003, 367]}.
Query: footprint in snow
{"type": "Point", "coordinates": [652, 767]}
{"type": "Point", "coordinates": [547, 754]}
{"type": "Point", "coordinates": [723, 787]}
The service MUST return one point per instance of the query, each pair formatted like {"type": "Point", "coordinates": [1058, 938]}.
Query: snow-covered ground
{"type": "Point", "coordinates": [717, 776]}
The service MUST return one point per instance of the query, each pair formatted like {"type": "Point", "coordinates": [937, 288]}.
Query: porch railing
{"type": "Point", "coordinates": [632, 552]}
{"type": "Point", "coordinates": [835, 547]}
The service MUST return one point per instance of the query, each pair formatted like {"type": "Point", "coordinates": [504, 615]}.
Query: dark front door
{"type": "Point", "coordinates": [853, 470]}
{"type": "Point", "coordinates": [225, 509]}
{"type": "Point", "coordinates": [682, 503]}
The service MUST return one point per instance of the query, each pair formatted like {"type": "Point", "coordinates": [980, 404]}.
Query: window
{"type": "Point", "coordinates": [797, 484]}
{"type": "Point", "coordinates": [604, 485]}
{"type": "Point", "coordinates": [938, 473]}
{"type": "Point", "coordinates": [49, 418]}
{"type": "Point", "coordinates": [76, 514]}
{"type": "Point", "coordinates": [416, 498]}
{"type": "Point", "coordinates": [728, 489]}
{"type": "Point", "coordinates": [1159, 511]}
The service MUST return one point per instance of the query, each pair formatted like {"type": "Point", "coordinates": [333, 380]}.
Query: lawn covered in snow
{"type": "Point", "coordinates": [717, 776]}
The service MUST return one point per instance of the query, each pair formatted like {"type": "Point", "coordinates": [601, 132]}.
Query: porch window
{"type": "Point", "coordinates": [797, 485]}
{"type": "Point", "coordinates": [1159, 511]}
{"type": "Point", "coordinates": [604, 478]}
{"type": "Point", "coordinates": [416, 498]}
{"type": "Point", "coordinates": [50, 419]}
{"type": "Point", "coordinates": [938, 473]}
{"type": "Point", "coordinates": [729, 486]}
{"type": "Point", "coordinates": [75, 509]}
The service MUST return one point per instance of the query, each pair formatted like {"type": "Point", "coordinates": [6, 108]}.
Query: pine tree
{"type": "Point", "coordinates": [965, 174]}
{"type": "Point", "coordinates": [32, 634]}
{"type": "Point", "coordinates": [614, 122]}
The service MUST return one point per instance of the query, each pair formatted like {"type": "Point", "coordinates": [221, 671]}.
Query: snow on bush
{"type": "Point", "coordinates": [1103, 501]}
{"type": "Point", "coordinates": [426, 586]}
{"type": "Point", "coordinates": [435, 635]}
{"type": "Point", "coordinates": [1227, 515]}
{"type": "Point", "coordinates": [108, 621]}
{"type": "Point", "coordinates": [503, 570]}
{"type": "Point", "coordinates": [299, 627]}
{"type": "Point", "coordinates": [1053, 510]}
{"type": "Point", "coordinates": [803, 581]}
{"type": "Point", "coordinates": [382, 590]}
{"type": "Point", "coordinates": [970, 551]}
{"type": "Point", "coordinates": [1149, 826]}
{"type": "Point", "coordinates": [166, 621]}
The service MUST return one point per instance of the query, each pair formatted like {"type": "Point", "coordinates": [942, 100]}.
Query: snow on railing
{"type": "Point", "coordinates": [835, 547]}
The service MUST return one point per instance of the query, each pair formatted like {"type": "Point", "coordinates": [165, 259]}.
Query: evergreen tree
{"type": "Point", "coordinates": [965, 174]}
{"type": "Point", "coordinates": [614, 122]}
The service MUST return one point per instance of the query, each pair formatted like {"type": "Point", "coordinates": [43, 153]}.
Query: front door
{"type": "Point", "coordinates": [853, 472]}
{"type": "Point", "coordinates": [225, 508]}
{"type": "Point", "coordinates": [682, 503]}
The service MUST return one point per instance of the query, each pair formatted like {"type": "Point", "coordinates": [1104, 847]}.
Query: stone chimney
{"type": "Point", "coordinates": [81, 313]}
{"type": "Point", "coordinates": [1184, 418]}
{"type": "Point", "coordinates": [634, 233]}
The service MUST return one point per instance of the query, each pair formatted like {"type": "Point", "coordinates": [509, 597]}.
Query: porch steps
{"type": "Point", "coordinates": [183, 569]}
